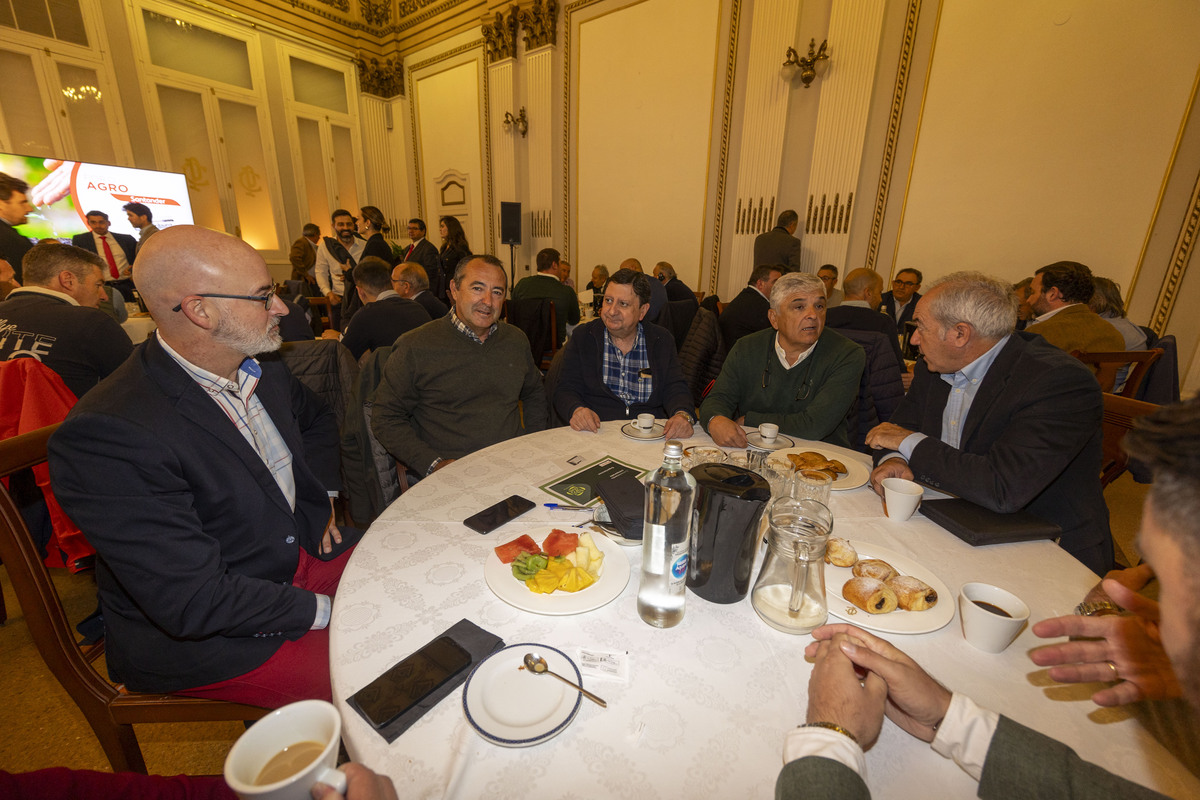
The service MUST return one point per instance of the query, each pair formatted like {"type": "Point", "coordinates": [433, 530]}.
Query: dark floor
{"type": "Point", "coordinates": [43, 728]}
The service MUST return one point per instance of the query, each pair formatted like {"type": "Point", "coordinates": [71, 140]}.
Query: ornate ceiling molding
{"type": "Point", "coordinates": [376, 13]}
{"type": "Point", "coordinates": [540, 23]}
{"type": "Point", "coordinates": [500, 38]}
{"type": "Point", "coordinates": [384, 79]}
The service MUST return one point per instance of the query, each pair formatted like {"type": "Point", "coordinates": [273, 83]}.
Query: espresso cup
{"type": "Point", "coordinates": [645, 421]}
{"type": "Point", "coordinates": [768, 431]}
{"type": "Point", "coordinates": [901, 498]}
{"type": "Point", "coordinates": [290, 728]}
{"type": "Point", "coordinates": [991, 627]}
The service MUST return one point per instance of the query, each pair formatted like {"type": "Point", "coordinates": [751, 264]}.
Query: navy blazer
{"type": "Point", "coordinates": [88, 242]}
{"type": "Point", "coordinates": [1031, 441]}
{"type": "Point", "coordinates": [888, 307]}
{"type": "Point", "coordinates": [196, 543]}
{"type": "Point", "coordinates": [581, 382]}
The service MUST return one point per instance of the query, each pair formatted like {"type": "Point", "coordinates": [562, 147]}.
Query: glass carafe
{"type": "Point", "coordinates": [789, 594]}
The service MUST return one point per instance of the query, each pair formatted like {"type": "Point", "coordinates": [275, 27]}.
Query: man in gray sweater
{"type": "Point", "coordinates": [462, 382]}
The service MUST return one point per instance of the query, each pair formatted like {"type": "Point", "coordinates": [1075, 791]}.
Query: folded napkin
{"type": "Point", "coordinates": [625, 499]}
{"type": "Point", "coordinates": [476, 641]}
{"type": "Point", "coordinates": [977, 525]}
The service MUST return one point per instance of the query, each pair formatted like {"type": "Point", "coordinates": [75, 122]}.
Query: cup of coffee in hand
{"type": "Point", "coordinates": [287, 752]}
{"type": "Point", "coordinates": [901, 498]}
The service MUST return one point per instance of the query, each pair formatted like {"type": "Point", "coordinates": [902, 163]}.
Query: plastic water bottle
{"type": "Point", "coordinates": [670, 496]}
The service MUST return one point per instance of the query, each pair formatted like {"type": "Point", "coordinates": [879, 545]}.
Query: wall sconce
{"type": "Point", "coordinates": [521, 122]}
{"type": "Point", "coordinates": [816, 60]}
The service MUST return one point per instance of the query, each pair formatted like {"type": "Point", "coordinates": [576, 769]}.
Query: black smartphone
{"type": "Point", "coordinates": [413, 679]}
{"type": "Point", "coordinates": [489, 519]}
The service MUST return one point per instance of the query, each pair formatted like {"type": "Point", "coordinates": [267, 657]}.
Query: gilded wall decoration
{"type": "Point", "coordinates": [500, 37]}
{"type": "Point", "coordinates": [1185, 244]}
{"type": "Point", "coordinates": [754, 218]}
{"type": "Point", "coordinates": [340, 5]}
{"type": "Point", "coordinates": [893, 133]}
{"type": "Point", "coordinates": [376, 13]}
{"type": "Point", "coordinates": [723, 158]}
{"type": "Point", "coordinates": [540, 23]}
{"type": "Point", "coordinates": [540, 223]}
{"type": "Point", "coordinates": [383, 79]}
{"type": "Point", "coordinates": [826, 217]}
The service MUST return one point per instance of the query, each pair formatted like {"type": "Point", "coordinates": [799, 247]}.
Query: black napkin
{"type": "Point", "coordinates": [977, 525]}
{"type": "Point", "coordinates": [472, 638]}
{"type": "Point", "coordinates": [625, 498]}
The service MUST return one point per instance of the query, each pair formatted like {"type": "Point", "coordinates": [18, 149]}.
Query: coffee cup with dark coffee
{"type": "Point", "coordinates": [991, 617]}
{"type": "Point", "coordinates": [285, 753]}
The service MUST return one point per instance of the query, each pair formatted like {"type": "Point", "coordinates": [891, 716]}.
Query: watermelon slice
{"type": "Point", "coordinates": [508, 552]}
{"type": "Point", "coordinates": [560, 543]}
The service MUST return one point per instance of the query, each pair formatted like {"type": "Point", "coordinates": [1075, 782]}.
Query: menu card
{"type": "Point", "coordinates": [578, 488]}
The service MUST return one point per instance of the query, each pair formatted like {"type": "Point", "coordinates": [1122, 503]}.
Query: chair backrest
{"type": "Point", "coordinates": [682, 312]}
{"type": "Point", "coordinates": [536, 317]}
{"type": "Point", "coordinates": [320, 314]}
{"type": "Point", "coordinates": [703, 354]}
{"type": "Point", "coordinates": [551, 386]}
{"type": "Point", "coordinates": [1119, 414]}
{"type": "Point", "coordinates": [1161, 385]}
{"type": "Point", "coordinates": [110, 710]}
{"type": "Point", "coordinates": [1108, 364]}
{"type": "Point", "coordinates": [323, 365]}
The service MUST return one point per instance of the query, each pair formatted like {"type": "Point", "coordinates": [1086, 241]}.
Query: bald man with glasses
{"type": "Point", "coordinates": [203, 478]}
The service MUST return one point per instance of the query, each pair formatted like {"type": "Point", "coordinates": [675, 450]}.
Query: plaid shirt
{"type": "Point", "coordinates": [465, 331]}
{"type": "Point", "coordinates": [246, 412]}
{"type": "Point", "coordinates": [628, 375]}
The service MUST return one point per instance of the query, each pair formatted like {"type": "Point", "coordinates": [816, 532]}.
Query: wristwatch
{"type": "Point", "coordinates": [1099, 608]}
{"type": "Point", "coordinates": [686, 415]}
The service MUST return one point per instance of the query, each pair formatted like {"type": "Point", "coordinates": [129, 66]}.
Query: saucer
{"type": "Point", "coordinates": [632, 431]}
{"type": "Point", "coordinates": [780, 442]}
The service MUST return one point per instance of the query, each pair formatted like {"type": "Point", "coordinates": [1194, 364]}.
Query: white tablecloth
{"type": "Point", "coordinates": [708, 702]}
{"type": "Point", "coordinates": [138, 327]}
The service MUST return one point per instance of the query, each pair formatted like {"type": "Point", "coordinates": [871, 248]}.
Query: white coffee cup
{"type": "Point", "coordinates": [645, 421]}
{"type": "Point", "coordinates": [768, 431]}
{"type": "Point", "coordinates": [901, 498]}
{"type": "Point", "coordinates": [305, 721]}
{"type": "Point", "coordinates": [988, 630]}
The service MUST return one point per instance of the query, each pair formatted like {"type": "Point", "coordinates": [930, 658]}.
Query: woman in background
{"type": "Point", "coordinates": [372, 226]}
{"type": "Point", "coordinates": [1106, 301]}
{"type": "Point", "coordinates": [454, 249]}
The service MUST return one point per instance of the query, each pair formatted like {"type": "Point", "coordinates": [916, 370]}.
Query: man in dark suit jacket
{"type": "Point", "coordinates": [14, 210]}
{"type": "Point", "coordinates": [1030, 437]}
{"type": "Point", "coordinates": [677, 290]}
{"type": "Point", "coordinates": [118, 260]}
{"type": "Point", "coordinates": [651, 383]}
{"type": "Point", "coordinates": [901, 301]}
{"type": "Point", "coordinates": [780, 245]}
{"type": "Point", "coordinates": [548, 285]}
{"type": "Point", "coordinates": [845, 711]}
{"type": "Point", "coordinates": [424, 252]}
{"type": "Point", "coordinates": [747, 312]}
{"type": "Point", "coordinates": [409, 281]}
{"type": "Point", "coordinates": [385, 315]}
{"type": "Point", "coordinates": [857, 310]}
{"type": "Point", "coordinates": [303, 255]}
{"type": "Point", "coordinates": [202, 478]}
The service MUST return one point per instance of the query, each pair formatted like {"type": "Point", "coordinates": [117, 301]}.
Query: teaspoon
{"type": "Point", "coordinates": [537, 665]}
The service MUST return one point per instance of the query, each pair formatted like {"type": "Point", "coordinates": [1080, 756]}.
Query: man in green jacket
{"type": "Point", "coordinates": [795, 374]}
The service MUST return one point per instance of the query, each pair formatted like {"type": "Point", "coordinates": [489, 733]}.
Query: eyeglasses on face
{"type": "Point", "coordinates": [265, 299]}
{"type": "Point", "coordinates": [899, 282]}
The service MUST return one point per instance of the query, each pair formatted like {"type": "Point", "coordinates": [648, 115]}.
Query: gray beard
{"type": "Point", "coordinates": [247, 341]}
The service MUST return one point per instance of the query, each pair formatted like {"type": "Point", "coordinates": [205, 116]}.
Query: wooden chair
{"type": "Point", "coordinates": [110, 710]}
{"type": "Point", "coordinates": [538, 319]}
{"type": "Point", "coordinates": [320, 314]}
{"type": "Point", "coordinates": [1119, 414]}
{"type": "Point", "coordinates": [1108, 364]}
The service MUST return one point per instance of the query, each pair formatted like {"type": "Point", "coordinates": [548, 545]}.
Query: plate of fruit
{"type": "Point", "coordinates": [556, 573]}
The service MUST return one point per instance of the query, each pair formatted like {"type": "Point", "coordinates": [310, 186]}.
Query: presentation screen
{"type": "Point", "coordinates": [62, 192]}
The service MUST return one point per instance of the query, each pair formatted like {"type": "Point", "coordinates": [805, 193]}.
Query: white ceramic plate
{"type": "Point", "coordinates": [631, 431]}
{"type": "Point", "coordinates": [857, 473]}
{"type": "Point", "coordinates": [508, 705]}
{"type": "Point", "coordinates": [607, 587]}
{"type": "Point", "coordinates": [897, 621]}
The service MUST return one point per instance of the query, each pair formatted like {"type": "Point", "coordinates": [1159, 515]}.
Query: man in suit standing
{"type": "Point", "coordinates": [424, 252]}
{"type": "Point", "coordinates": [385, 315]}
{"type": "Point", "coordinates": [999, 417]}
{"type": "Point", "coordinates": [409, 281]}
{"type": "Point", "coordinates": [1059, 296]}
{"type": "Point", "coordinates": [303, 255]}
{"type": "Point", "coordinates": [825, 757]}
{"type": "Point", "coordinates": [747, 312]}
{"type": "Point", "coordinates": [14, 211]}
{"type": "Point", "coordinates": [547, 284]}
{"type": "Point", "coordinates": [858, 310]}
{"type": "Point", "coordinates": [203, 479]}
{"type": "Point", "coordinates": [901, 301]}
{"type": "Point", "coordinates": [119, 259]}
{"type": "Point", "coordinates": [780, 245]}
{"type": "Point", "coordinates": [142, 219]}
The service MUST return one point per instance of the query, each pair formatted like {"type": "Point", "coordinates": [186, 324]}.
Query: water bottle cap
{"type": "Point", "coordinates": [674, 449]}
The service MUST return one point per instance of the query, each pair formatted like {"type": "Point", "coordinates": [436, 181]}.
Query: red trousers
{"type": "Point", "coordinates": [299, 670]}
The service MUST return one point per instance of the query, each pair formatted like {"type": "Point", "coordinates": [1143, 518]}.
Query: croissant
{"type": "Point", "coordinates": [840, 553]}
{"type": "Point", "coordinates": [874, 568]}
{"type": "Point", "coordinates": [870, 595]}
{"type": "Point", "coordinates": [912, 593]}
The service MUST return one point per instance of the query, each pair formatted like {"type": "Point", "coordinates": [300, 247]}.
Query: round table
{"type": "Point", "coordinates": [707, 703]}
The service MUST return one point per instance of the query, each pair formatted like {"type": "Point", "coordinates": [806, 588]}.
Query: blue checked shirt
{"type": "Point", "coordinates": [628, 375]}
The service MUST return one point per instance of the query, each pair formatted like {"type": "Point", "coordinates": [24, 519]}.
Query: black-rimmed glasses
{"type": "Point", "coordinates": [265, 299]}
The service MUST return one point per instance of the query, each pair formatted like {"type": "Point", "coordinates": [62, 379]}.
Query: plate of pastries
{"type": "Point", "coordinates": [881, 590]}
{"type": "Point", "coordinates": [847, 473]}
